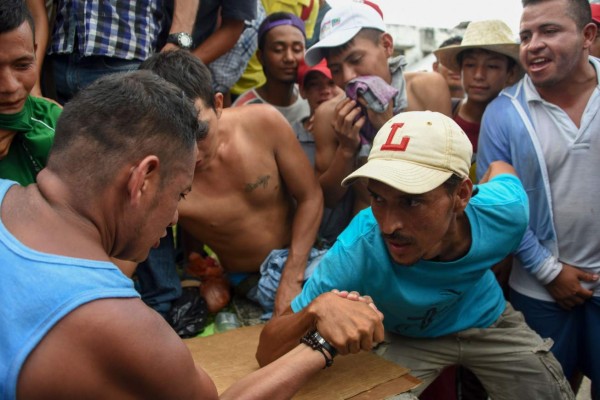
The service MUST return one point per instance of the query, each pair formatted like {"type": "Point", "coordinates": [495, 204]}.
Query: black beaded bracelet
{"type": "Point", "coordinates": [316, 342]}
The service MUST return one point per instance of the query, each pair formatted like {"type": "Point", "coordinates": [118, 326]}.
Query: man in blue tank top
{"type": "Point", "coordinates": [415, 268]}
{"type": "Point", "coordinates": [71, 323]}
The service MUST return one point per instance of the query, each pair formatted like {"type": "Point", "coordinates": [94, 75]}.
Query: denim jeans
{"type": "Point", "coordinates": [72, 72]}
{"type": "Point", "coordinates": [157, 278]}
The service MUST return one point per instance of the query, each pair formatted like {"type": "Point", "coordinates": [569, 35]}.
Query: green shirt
{"type": "Point", "coordinates": [28, 152]}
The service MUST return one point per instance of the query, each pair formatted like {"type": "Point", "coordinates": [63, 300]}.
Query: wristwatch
{"type": "Point", "coordinates": [181, 39]}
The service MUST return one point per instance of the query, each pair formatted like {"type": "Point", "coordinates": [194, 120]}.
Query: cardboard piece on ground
{"type": "Point", "coordinates": [229, 356]}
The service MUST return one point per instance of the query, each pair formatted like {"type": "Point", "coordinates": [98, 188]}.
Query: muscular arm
{"type": "Point", "coordinates": [301, 183]}
{"type": "Point", "coordinates": [119, 348]}
{"type": "Point", "coordinates": [220, 41]}
{"type": "Point", "coordinates": [40, 20]}
{"type": "Point", "coordinates": [335, 153]}
{"type": "Point", "coordinates": [428, 91]}
{"type": "Point", "coordinates": [114, 348]}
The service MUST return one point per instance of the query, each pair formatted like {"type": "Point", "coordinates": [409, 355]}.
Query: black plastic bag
{"type": "Point", "coordinates": [188, 315]}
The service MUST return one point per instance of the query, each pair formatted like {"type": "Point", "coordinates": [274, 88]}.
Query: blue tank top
{"type": "Point", "coordinates": [37, 290]}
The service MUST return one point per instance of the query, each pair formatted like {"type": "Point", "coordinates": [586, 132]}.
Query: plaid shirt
{"type": "Point", "coordinates": [114, 28]}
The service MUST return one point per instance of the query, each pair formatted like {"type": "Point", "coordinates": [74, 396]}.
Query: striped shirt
{"type": "Point", "coordinates": [114, 28]}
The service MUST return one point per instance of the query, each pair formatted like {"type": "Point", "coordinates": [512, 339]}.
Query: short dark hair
{"type": "Point", "coordinates": [578, 10]}
{"type": "Point", "coordinates": [452, 40]}
{"type": "Point", "coordinates": [371, 34]}
{"type": "Point", "coordinates": [264, 27]}
{"type": "Point", "coordinates": [452, 183]}
{"type": "Point", "coordinates": [12, 15]}
{"type": "Point", "coordinates": [118, 118]}
{"type": "Point", "coordinates": [185, 71]}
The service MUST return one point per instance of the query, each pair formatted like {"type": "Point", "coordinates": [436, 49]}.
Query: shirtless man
{"type": "Point", "coordinates": [254, 190]}
{"type": "Point", "coordinates": [354, 42]}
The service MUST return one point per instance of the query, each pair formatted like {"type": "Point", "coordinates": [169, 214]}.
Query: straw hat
{"type": "Point", "coordinates": [493, 35]}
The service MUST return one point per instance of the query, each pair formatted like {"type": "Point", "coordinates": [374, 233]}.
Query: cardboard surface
{"type": "Point", "coordinates": [229, 356]}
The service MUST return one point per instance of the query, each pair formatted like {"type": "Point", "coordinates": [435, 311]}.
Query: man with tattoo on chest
{"type": "Point", "coordinates": [254, 198]}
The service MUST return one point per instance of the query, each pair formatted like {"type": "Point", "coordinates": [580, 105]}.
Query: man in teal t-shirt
{"type": "Point", "coordinates": [415, 268]}
{"type": "Point", "coordinates": [26, 123]}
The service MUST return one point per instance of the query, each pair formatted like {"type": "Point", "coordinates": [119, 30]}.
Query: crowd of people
{"type": "Point", "coordinates": [443, 220]}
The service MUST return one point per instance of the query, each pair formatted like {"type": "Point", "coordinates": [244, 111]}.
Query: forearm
{"type": "Point", "coordinates": [281, 334]}
{"type": "Point", "coordinates": [220, 42]}
{"type": "Point", "coordinates": [304, 231]}
{"type": "Point", "coordinates": [184, 15]}
{"type": "Point", "coordinates": [537, 259]}
{"type": "Point", "coordinates": [280, 379]}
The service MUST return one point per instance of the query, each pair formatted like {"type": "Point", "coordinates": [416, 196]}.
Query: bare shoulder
{"type": "Point", "coordinates": [257, 113]}
{"type": "Point", "coordinates": [427, 91]}
{"type": "Point", "coordinates": [113, 348]}
{"type": "Point", "coordinates": [424, 78]}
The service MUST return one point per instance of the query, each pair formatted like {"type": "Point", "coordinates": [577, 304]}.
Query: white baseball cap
{"type": "Point", "coordinates": [342, 23]}
{"type": "Point", "coordinates": [415, 152]}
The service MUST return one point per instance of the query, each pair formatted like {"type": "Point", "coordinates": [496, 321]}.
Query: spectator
{"type": "Point", "coordinates": [90, 38]}
{"type": "Point", "coordinates": [280, 50]}
{"type": "Point", "coordinates": [26, 122]}
{"type": "Point", "coordinates": [255, 201]}
{"type": "Point", "coordinates": [488, 60]}
{"type": "Point", "coordinates": [306, 10]}
{"type": "Point", "coordinates": [219, 36]}
{"type": "Point", "coordinates": [547, 126]}
{"type": "Point", "coordinates": [354, 43]}
{"type": "Point", "coordinates": [316, 86]}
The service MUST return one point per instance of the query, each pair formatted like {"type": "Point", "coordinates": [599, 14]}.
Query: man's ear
{"type": "Point", "coordinates": [589, 35]}
{"type": "Point", "coordinates": [463, 195]}
{"type": "Point", "coordinates": [387, 42]}
{"type": "Point", "coordinates": [143, 177]}
{"type": "Point", "coordinates": [218, 100]}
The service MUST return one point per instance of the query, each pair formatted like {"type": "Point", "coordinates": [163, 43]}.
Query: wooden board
{"type": "Point", "coordinates": [229, 356]}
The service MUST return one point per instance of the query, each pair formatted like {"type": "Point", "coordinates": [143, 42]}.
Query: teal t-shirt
{"type": "Point", "coordinates": [28, 152]}
{"type": "Point", "coordinates": [429, 299]}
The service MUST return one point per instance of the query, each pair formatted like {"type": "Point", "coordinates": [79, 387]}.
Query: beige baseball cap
{"type": "Point", "coordinates": [415, 152]}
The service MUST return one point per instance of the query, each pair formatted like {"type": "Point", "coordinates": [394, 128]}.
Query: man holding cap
{"type": "Point", "coordinates": [355, 44]}
{"type": "Point", "coordinates": [422, 254]}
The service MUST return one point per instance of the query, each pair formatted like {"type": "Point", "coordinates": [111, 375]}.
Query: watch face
{"type": "Point", "coordinates": [185, 40]}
